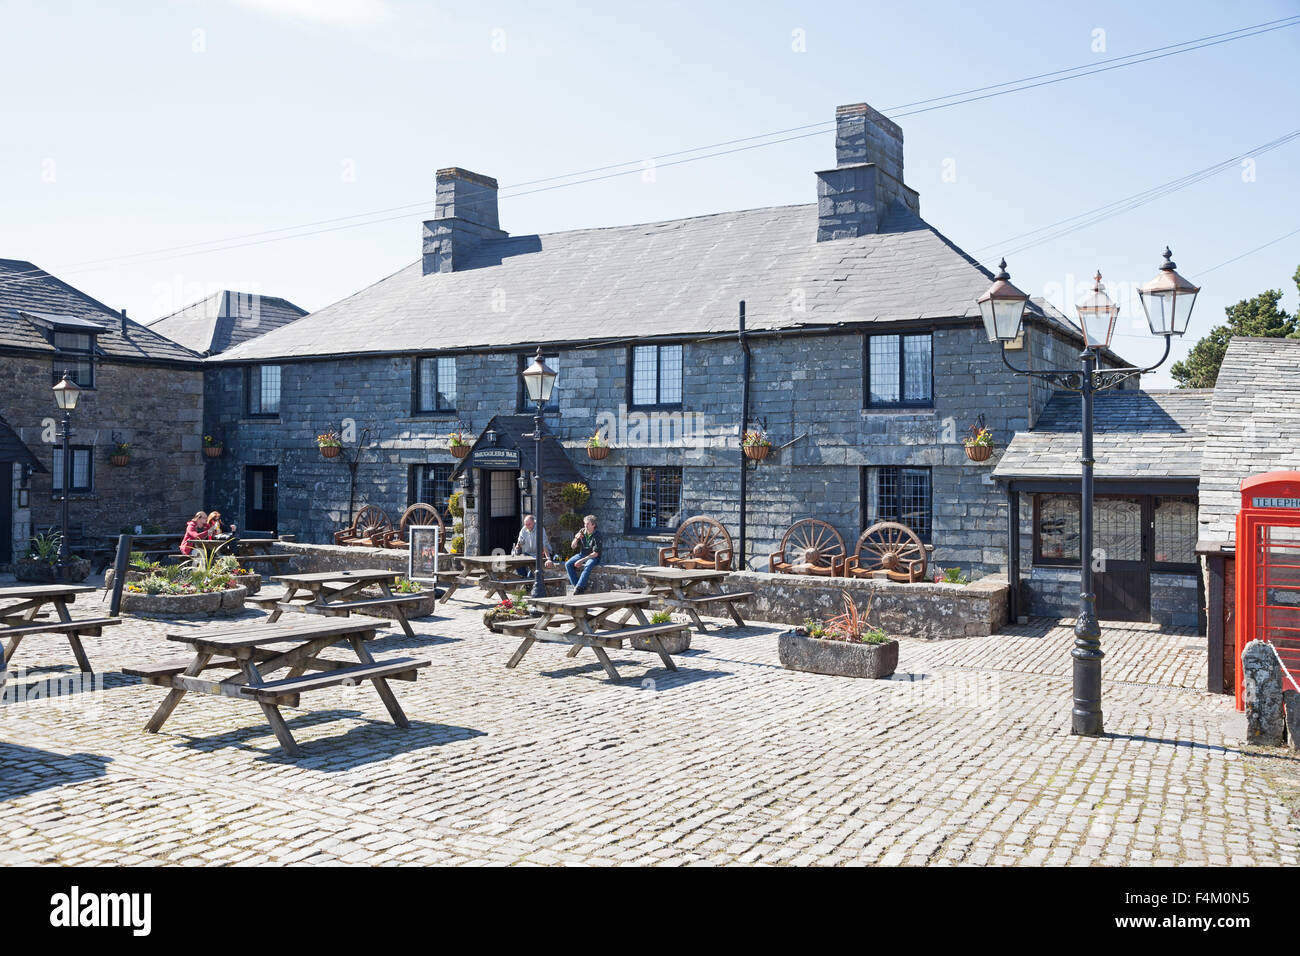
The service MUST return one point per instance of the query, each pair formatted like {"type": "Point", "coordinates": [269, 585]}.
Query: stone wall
{"type": "Point", "coordinates": [1054, 592]}
{"type": "Point", "coordinates": [904, 610]}
{"type": "Point", "coordinates": [158, 410]}
{"type": "Point", "coordinates": [808, 389]}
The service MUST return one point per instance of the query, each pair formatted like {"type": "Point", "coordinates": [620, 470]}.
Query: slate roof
{"type": "Point", "coordinates": [13, 449]}
{"type": "Point", "coordinates": [681, 277]}
{"type": "Point", "coordinates": [510, 431]}
{"type": "Point", "coordinates": [1156, 435]}
{"type": "Point", "coordinates": [1254, 427]}
{"type": "Point", "coordinates": [226, 319]}
{"type": "Point", "coordinates": [26, 288]}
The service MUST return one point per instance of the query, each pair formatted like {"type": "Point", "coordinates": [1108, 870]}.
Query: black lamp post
{"type": "Point", "coordinates": [539, 380]}
{"type": "Point", "coordinates": [66, 394]}
{"type": "Point", "coordinates": [1167, 300]}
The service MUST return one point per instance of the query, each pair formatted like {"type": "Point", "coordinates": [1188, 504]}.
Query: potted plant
{"type": "Point", "coordinates": [458, 443]}
{"type": "Point", "coordinates": [756, 445]}
{"type": "Point", "coordinates": [212, 446]}
{"type": "Point", "coordinates": [329, 443]}
{"type": "Point", "coordinates": [120, 454]}
{"type": "Point", "coordinates": [979, 443]}
{"type": "Point", "coordinates": [41, 564]}
{"type": "Point", "coordinates": [597, 447]}
{"type": "Point", "coordinates": [846, 645]}
{"type": "Point", "coordinates": [512, 608]}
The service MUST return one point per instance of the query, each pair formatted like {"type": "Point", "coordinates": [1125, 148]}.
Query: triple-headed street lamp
{"type": "Point", "coordinates": [66, 395]}
{"type": "Point", "coordinates": [539, 381]}
{"type": "Point", "coordinates": [1167, 301]}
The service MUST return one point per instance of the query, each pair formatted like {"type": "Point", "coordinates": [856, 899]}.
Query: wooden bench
{"type": "Point", "coordinates": [522, 624]}
{"type": "Point", "coordinates": [268, 600]}
{"type": "Point", "coordinates": [75, 631]}
{"type": "Point", "coordinates": [729, 598]}
{"type": "Point", "coordinates": [343, 607]}
{"type": "Point", "coordinates": [286, 690]}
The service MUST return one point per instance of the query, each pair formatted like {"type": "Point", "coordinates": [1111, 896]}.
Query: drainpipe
{"type": "Point", "coordinates": [742, 563]}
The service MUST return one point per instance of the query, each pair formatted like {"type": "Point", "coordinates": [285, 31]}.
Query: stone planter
{"type": "Point", "coordinates": [213, 604]}
{"type": "Point", "coordinates": [42, 572]}
{"type": "Point", "coordinates": [798, 652]}
{"type": "Point", "coordinates": [428, 599]}
{"type": "Point", "coordinates": [678, 643]}
{"type": "Point", "coordinates": [252, 582]}
{"type": "Point", "coordinates": [495, 625]}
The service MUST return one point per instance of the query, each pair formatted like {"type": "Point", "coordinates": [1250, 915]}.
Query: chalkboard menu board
{"type": "Point", "coordinates": [423, 563]}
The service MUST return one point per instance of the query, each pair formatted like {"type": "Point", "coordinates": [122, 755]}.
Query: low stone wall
{"type": "Point", "coordinates": [903, 610]}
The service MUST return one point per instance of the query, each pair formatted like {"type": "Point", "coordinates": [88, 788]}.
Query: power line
{"type": "Point", "coordinates": [940, 102]}
{"type": "Point", "coordinates": [1251, 252]}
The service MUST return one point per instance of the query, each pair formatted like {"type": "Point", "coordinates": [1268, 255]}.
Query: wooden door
{"type": "Point", "coordinates": [1122, 557]}
{"type": "Point", "coordinates": [260, 485]}
{"type": "Point", "coordinates": [499, 512]}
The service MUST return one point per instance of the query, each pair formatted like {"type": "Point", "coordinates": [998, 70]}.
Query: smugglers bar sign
{"type": "Point", "coordinates": [495, 458]}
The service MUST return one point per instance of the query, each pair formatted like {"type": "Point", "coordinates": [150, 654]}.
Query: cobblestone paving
{"type": "Point", "coordinates": [964, 758]}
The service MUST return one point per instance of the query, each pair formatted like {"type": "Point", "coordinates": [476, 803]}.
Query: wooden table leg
{"type": "Point", "coordinates": [270, 711]}
{"type": "Point", "coordinates": [400, 613]}
{"type": "Point", "coordinates": [289, 591]}
{"type": "Point", "coordinates": [175, 694]}
{"type": "Point", "coordinates": [381, 684]}
{"type": "Point", "coordinates": [683, 595]}
{"type": "Point", "coordinates": [584, 630]}
{"type": "Point", "coordinates": [520, 651]}
{"type": "Point", "coordinates": [663, 654]}
{"type": "Point", "coordinates": [74, 639]}
{"type": "Point", "coordinates": [11, 648]}
{"type": "Point", "coordinates": [735, 615]}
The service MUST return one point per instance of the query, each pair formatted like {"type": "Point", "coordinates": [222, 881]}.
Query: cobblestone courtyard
{"type": "Point", "coordinates": [965, 757]}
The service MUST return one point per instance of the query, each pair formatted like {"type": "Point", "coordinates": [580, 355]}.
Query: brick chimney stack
{"type": "Point", "coordinates": [465, 213]}
{"type": "Point", "coordinates": [854, 198]}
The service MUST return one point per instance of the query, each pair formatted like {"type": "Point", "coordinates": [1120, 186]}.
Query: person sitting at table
{"type": "Point", "coordinates": [197, 530]}
{"type": "Point", "coordinates": [526, 544]}
{"type": "Point", "coordinates": [587, 552]}
{"type": "Point", "coordinates": [214, 524]}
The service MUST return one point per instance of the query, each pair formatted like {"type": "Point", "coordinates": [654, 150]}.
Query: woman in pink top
{"type": "Point", "coordinates": [197, 530]}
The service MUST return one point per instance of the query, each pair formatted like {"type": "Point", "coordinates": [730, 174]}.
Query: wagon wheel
{"type": "Point", "coordinates": [702, 538]}
{"type": "Point", "coordinates": [893, 548]}
{"type": "Point", "coordinates": [422, 513]}
{"type": "Point", "coordinates": [370, 521]}
{"type": "Point", "coordinates": [812, 541]}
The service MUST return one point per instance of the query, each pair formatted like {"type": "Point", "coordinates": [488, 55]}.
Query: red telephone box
{"type": "Point", "coordinates": [1268, 569]}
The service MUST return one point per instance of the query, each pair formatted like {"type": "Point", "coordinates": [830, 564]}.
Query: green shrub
{"type": "Point", "coordinates": [570, 521]}
{"type": "Point", "coordinates": [661, 617]}
{"type": "Point", "coordinates": [575, 494]}
{"type": "Point", "coordinates": [457, 544]}
{"type": "Point", "coordinates": [455, 505]}
{"type": "Point", "coordinates": [405, 586]}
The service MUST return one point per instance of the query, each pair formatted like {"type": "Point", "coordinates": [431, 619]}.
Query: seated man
{"type": "Point", "coordinates": [588, 552]}
{"type": "Point", "coordinates": [526, 544]}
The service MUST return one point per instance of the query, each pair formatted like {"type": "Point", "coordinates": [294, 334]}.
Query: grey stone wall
{"type": "Point", "coordinates": [808, 389]}
{"type": "Point", "coordinates": [158, 410]}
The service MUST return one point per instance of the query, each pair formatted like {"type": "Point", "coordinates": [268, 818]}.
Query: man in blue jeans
{"type": "Point", "coordinates": [587, 545]}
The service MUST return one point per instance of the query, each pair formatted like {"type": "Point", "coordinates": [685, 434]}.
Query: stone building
{"type": "Point", "coordinates": [137, 387]}
{"type": "Point", "coordinates": [226, 319]}
{"type": "Point", "coordinates": [868, 364]}
{"type": "Point", "coordinates": [1148, 452]}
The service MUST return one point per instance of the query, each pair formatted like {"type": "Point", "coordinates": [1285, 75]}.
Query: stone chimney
{"type": "Point", "coordinates": [854, 198]}
{"type": "Point", "coordinates": [465, 214]}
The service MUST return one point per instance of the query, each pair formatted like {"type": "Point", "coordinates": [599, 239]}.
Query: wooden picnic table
{"type": "Point", "coordinates": [679, 588]}
{"type": "Point", "coordinates": [336, 593]}
{"type": "Point", "coordinates": [494, 573]}
{"type": "Point", "coordinates": [258, 651]}
{"type": "Point", "coordinates": [586, 620]}
{"type": "Point", "coordinates": [21, 618]}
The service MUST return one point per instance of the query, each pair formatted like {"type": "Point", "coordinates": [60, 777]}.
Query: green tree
{"type": "Point", "coordinates": [1261, 316]}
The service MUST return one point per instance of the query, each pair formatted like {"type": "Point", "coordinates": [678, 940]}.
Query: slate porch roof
{"type": "Point", "coordinates": [682, 277]}
{"type": "Point", "coordinates": [26, 287]}
{"type": "Point", "coordinates": [13, 449]}
{"type": "Point", "coordinates": [1155, 435]}
{"type": "Point", "coordinates": [1254, 427]}
{"type": "Point", "coordinates": [510, 431]}
{"type": "Point", "coordinates": [226, 319]}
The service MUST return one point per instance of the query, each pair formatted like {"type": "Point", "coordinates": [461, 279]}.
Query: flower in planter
{"type": "Point", "coordinates": [978, 438]}
{"type": "Point", "coordinates": [406, 586]}
{"type": "Point", "coordinates": [596, 440]}
{"type": "Point", "coordinates": [850, 626]}
{"type": "Point", "coordinates": [458, 438]}
{"type": "Point", "coordinates": [329, 439]}
{"type": "Point", "coordinates": [210, 441]}
{"type": "Point", "coordinates": [755, 438]}
{"type": "Point", "coordinates": [120, 449]}
{"type": "Point", "coordinates": [949, 576]}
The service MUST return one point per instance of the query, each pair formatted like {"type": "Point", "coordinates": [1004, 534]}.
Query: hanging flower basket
{"type": "Point", "coordinates": [597, 452]}
{"type": "Point", "coordinates": [212, 451]}
{"type": "Point", "coordinates": [756, 452]}
{"type": "Point", "coordinates": [118, 460]}
{"type": "Point", "coordinates": [458, 451]}
{"type": "Point", "coordinates": [979, 452]}
{"type": "Point", "coordinates": [330, 451]}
